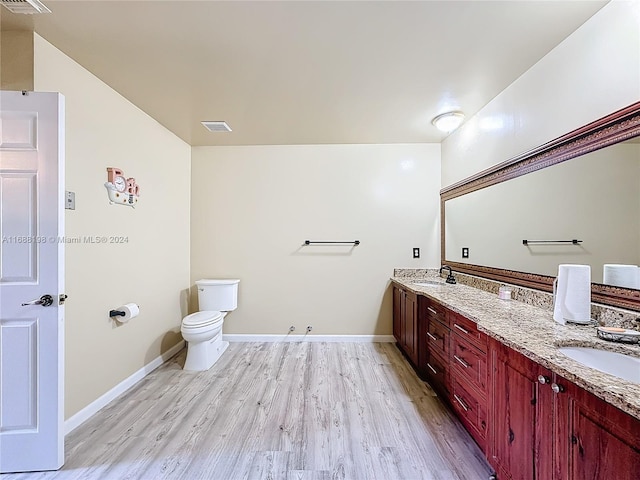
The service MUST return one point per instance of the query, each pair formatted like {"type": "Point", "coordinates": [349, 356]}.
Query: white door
{"type": "Point", "coordinates": [31, 265]}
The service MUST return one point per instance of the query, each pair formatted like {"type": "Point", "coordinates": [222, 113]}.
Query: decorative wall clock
{"type": "Point", "coordinates": [121, 190]}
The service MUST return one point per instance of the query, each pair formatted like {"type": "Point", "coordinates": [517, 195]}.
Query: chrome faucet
{"type": "Point", "coordinates": [450, 278]}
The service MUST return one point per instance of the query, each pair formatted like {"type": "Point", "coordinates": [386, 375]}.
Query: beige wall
{"type": "Point", "coordinates": [252, 208]}
{"type": "Point", "coordinates": [594, 72]}
{"type": "Point", "coordinates": [16, 60]}
{"type": "Point", "coordinates": [152, 269]}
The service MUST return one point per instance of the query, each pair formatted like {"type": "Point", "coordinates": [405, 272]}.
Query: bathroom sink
{"type": "Point", "coordinates": [618, 364]}
{"type": "Point", "coordinates": [428, 283]}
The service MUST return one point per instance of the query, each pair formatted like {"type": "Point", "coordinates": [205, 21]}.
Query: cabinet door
{"type": "Point", "coordinates": [397, 314]}
{"type": "Point", "coordinates": [521, 414]}
{"type": "Point", "coordinates": [422, 353]}
{"type": "Point", "coordinates": [410, 325]}
{"type": "Point", "coordinates": [596, 441]}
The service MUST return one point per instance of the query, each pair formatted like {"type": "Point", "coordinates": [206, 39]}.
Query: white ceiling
{"type": "Point", "coordinates": [307, 72]}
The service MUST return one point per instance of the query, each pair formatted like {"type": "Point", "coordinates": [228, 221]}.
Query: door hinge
{"type": "Point", "coordinates": [62, 298]}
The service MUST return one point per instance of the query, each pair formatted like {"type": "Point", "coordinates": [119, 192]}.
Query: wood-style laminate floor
{"type": "Point", "coordinates": [303, 411]}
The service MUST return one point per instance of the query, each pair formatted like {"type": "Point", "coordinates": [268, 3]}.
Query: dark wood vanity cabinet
{"type": "Point", "coordinates": [405, 322]}
{"type": "Point", "coordinates": [435, 366]}
{"type": "Point", "coordinates": [453, 360]}
{"type": "Point", "coordinates": [593, 439]}
{"type": "Point", "coordinates": [520, 440]}
{"type": "Point", "coordinates": [397, 314]}
{"type": "Point", "coordinates": [468, 371]}
{"type": "Point", "coordinates": [531, 423]}
{"type": "Point", "coordinates": [545, 427]}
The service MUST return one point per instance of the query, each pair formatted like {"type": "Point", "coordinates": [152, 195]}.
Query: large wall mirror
{"type": "Point", "coordinates": [575, 199]}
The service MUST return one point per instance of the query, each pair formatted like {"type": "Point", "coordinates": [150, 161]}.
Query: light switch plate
{"type": "Point", "coordinates": [70, 201]}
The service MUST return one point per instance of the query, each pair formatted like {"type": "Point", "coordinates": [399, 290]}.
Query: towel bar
{"type": "Point", "coordinates": [573, 242]}
{"type": "Point", "coordinates": [310, 242]}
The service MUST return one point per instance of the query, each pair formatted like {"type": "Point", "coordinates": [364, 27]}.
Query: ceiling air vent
{"type": "Point", "coordinates": [28, 7]}
{"type": "Point", "coordinates": [216, 126]}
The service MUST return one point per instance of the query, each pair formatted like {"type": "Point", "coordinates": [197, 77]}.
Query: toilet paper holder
{"type": "Point", "coordinates": [125, 312]}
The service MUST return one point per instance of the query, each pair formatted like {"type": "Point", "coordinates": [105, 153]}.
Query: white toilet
{"type": "Point", "coordinates": [203, 330]}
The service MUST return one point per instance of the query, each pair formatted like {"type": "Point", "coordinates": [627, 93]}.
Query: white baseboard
{"type": "Point", "coordinates": [243, 337]}
{"type": "Point", "coordinates": [83, 415]}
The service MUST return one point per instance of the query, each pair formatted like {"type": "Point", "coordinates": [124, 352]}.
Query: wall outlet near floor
{"type": "Point", "coordinates": [292, 329]}
{"type": "Point", "coordinates": [465, 252]}
{"type": "Point", "coordinates": [416, 252]}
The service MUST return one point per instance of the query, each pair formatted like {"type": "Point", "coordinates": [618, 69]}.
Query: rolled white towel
{"type": "Point", "coordinates": [572, 294]}
{"type": "Point", "coordinates": [621, 275]}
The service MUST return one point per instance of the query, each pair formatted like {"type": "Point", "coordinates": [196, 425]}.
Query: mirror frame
{"type": "Point", "coordinates": [614, 128]}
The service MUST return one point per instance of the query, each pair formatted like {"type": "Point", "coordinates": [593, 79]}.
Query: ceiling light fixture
{"type": "Point", "coordinates": [448, 122]}
{"type": "Point", "coordinates": [216, 126]}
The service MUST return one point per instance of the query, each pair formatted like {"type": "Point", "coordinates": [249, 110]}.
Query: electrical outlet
{"type": "Point", "coordinates": [416, 252]}
{"type": "Point", "coordinates": [465, 252]}
{"type": "Point", "coordinates": [309, 328]}
{"type": "Point", "coordinates": [292, 329]}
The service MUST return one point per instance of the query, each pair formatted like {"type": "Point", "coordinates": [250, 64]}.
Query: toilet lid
{"type": "Point", "coordinates": [200, 319]}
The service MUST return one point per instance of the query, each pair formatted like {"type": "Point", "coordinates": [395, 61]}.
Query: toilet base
{"type": "Point", "coordinates": [202, 355]}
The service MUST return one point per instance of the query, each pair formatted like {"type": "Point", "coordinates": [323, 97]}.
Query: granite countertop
{"type": "Point", "coordinates": [532, 331]}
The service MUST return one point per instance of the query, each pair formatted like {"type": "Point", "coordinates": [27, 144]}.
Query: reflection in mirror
{"type": "Point", "coordinates": [602, 214]}
{"type": "Point", "coordinates": [594, 198]}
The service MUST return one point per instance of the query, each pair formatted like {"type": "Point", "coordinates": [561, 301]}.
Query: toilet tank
{"type": "Point", "coordinates": [217, 294]}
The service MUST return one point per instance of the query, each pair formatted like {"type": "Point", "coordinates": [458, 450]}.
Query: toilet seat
{"type": "Point", "coordinates": [202, 319]}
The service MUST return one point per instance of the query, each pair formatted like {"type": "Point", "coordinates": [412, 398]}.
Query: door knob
{"type": "Point", "coordinates": [44, 300]}
{"type": "Point", "coordinates": [557, 388]}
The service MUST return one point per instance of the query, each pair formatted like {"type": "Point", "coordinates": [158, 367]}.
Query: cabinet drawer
{"type": "Point", "coordinates": [435, 311]}
{"type": "Point", "coordinates": [468, 330]}
{"type": "Point", "coordinates": [437, 371]}
{"type": "Point", "coordinates": [472, 411]}
{"type": "Point", "coordinates": [469, 362]}
{"type": "Point", "coordinates": [438, 338]}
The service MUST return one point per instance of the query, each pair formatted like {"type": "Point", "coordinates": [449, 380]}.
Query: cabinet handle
{"type": "Point", "coordinates": [461, 361]}
{"type": "Point", "coordinates": [435, 372]}
{"type": "Point", "coordinates": [432, 310]}
{"type": "Point", "coordinates": [461, 329]}
{"type": "Point", "coordinates": [557, 388]}
{"type": "Point", "coordinates": [543, 379]}
{"type": "Point", "coordinates": [462, 404]}
{"type": "Point", "coordinates": [432, 337]}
